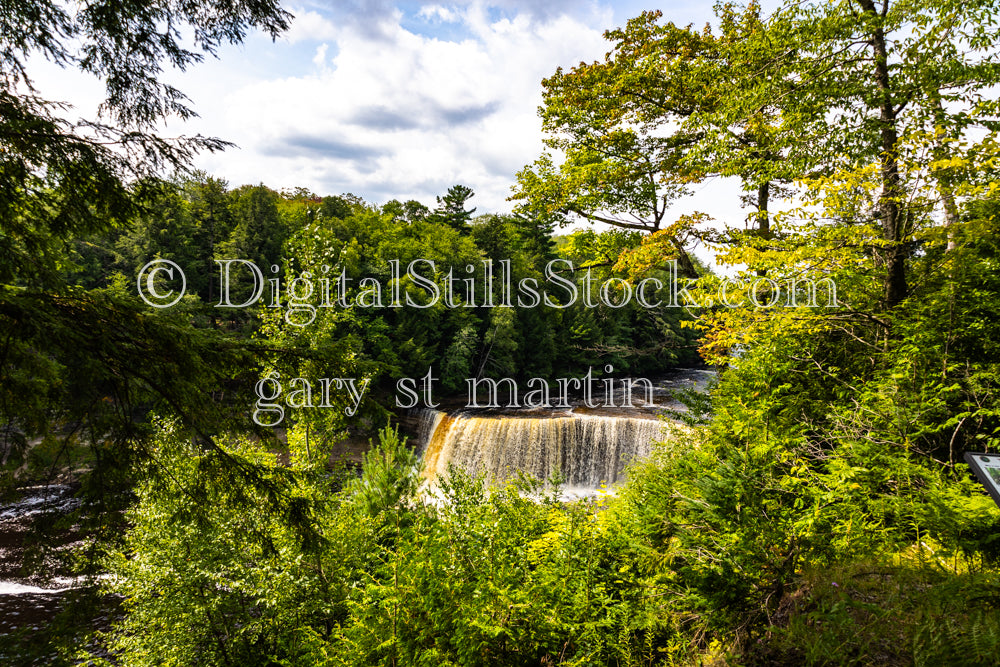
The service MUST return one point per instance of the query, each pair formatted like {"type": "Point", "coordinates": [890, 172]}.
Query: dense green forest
{"type": "Point", "coordinates": [812, 507]}
{"type": "Point", "coordinates": [343, 250]}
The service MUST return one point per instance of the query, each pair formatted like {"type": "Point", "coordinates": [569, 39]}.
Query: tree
{"type": "Point", "coordinates": [855, 116]}
{"type": "Point", "coordinates": [861, 86]}
{"type": "Point", "coordinates": [621, 167]}
{"type": "Point", "coordinates": [451, 208]}
{"type": "Point", "coordinates": [58, 176]}
{"type": "Point", "coordinates": [94, 359]}
{"type": "Point", "coordinates": [411, 211]}
{"type": "Point", "coordinates": [257, 231]}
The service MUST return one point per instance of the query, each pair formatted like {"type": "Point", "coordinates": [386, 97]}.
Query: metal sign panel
{"type": "Point", "coordinates": [987, 469]}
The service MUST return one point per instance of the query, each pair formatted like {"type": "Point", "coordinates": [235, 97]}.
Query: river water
{"type": "Point", "coordinates": [33, 584]}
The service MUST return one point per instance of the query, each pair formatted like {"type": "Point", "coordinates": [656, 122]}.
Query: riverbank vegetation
{"type": "Point", "coordinates": [815, 510]}
{"type": "Point", "coordinates": [704, 556]}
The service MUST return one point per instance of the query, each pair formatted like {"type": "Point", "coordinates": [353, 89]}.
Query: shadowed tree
{"type": "Point", "coordinates": [97, 359]}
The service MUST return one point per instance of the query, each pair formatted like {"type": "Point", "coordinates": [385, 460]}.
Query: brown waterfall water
{"type": "Point", "coordinates": [588, 446]}
{"type": "Point", "coordinates": [586, 449]}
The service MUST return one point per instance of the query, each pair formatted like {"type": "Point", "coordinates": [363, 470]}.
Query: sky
{"type": "Point", "coordinates": [397, 100]}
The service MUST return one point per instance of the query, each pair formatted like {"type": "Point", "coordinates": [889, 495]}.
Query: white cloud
{"type": "Point", "coordinates": [319, 60]}
{"type": "Point", "coordinates": [437, 12]}
{"type": "Point", "coordinates": [405, 116]}
{"type": "Point", "coordinates": [310, 26]}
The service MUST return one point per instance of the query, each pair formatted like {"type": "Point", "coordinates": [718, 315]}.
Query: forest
{"type": "Point", "coordinates": [810, 506]}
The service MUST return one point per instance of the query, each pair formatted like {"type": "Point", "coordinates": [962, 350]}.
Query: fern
{"type": "Point", "coordinates": [968, 640]}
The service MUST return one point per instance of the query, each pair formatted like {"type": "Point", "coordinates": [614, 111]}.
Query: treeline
{"type": "Point", "coordinates": [342, 240]}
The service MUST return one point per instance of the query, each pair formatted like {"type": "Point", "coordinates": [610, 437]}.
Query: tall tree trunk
{"type": "Point", "coordinates": [894, 282]}
{"type": "Point", "coordinates": [763, 217]}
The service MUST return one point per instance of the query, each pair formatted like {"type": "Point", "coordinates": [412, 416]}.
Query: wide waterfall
{"type": "Point", "coordinates": [586, 449]}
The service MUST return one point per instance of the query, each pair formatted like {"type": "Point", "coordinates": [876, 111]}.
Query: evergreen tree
{"type": "Point", "coordinates": [451, 209]}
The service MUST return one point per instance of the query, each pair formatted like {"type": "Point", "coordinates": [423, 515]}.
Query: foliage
{"type": "Point", "coordinates": [451, 208]}
{"type": "Point", "coordinates": [372, 574]}
{"type": "Point", "coordinates": [208, 580]}
{"type": "Point", "coordinates": [890, 614]}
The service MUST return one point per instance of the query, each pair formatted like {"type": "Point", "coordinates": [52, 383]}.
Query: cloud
{"type": "Point", "coordinates": [372, 18]}
{"type": "Point", "coordinates": [404, 115]}
{"type": "Point", "coordinates": [319, 60]}
{"type": "Point", "coordinates": [427, 114]}
{"type": "Point", "coordinates": [398, 114]}
{"type": "Point", "coordinates": [548, 9]}
{"type": "Point", "coordinates": [380, 117]}
{"type": "Point", "coordinates": [464, 115]}
{"type": "Point", "coordinates": [319, 19]}
{"type": "Point", "coordinates": [437, 12]}
{"type": "Point", "coordinates": [309, 26]}
{"type": "Point", "coordinates": [305, 145]}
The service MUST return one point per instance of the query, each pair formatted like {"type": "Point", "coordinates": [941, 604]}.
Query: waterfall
{"type": "Point", "coordinates": [586, 449]}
